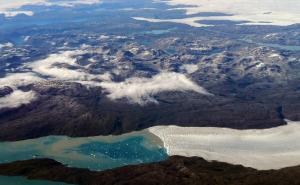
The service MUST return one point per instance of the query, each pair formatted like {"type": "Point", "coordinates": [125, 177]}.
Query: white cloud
{"type": "Point", "coordinates": [15, 80]}
{"type": "Point", "coordinates": [262, 149]}
{"type": "Point", "coordinates": [141, 90]}
{"type": "Point", "coordinates": [257, 12]}
{"type": "Point", "coordinates": [15, 13]}
{"type": "Point", "coordinates": [60, 66]}
{"type": "Point", "coordinates": [63, 66]}
{"type": "Point", "coordinates": [16, 99]}
{"type": "Point", "coordinates": [47, 67]}
{"type": "Point", "coordinates": [10, 7]}
{"type": "Point", "coordinates": [8, 44]}
{"type": "Point", "coordinates": [67, 60]}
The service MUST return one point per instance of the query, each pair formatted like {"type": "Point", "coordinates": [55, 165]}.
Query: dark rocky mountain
{"type": "Point", "coordinates": [174, 171]}
{"type": "Point", "coordinates": [74, 110]}
{"type": "Point", "coordinates": [5, 91]}
{"type": "Point", "coordinates": [253, 87]}
{"type": "Point", "coordinates": [88, 68]}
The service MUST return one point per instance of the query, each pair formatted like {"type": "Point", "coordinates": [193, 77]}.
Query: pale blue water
{"type": "Point", "coordinates": [96, 153]}
{"type": "Point", "coordinates": [284, 47]}
{"type": "Point", "coordinates": [159, 32]}
{"type": "Point", "coordinates": [279, 46]}
{"type": "Point", "coordinates": [4, 180]}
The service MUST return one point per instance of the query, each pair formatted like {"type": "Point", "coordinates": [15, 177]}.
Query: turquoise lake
{"type": "Point", "coordinates": [95, 153]}
{"type": "Point", "coordinates": [284, 47]}
{"type": "Point", "coordinates": [158, 32]}
{"type": "Point", "coordinates": [278, 46]}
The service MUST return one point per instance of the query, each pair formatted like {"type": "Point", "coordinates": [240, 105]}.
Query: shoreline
{"type": "Point", "coordinates": [175, 170]}
{"type": "Point", "coordinates": [96, 153]}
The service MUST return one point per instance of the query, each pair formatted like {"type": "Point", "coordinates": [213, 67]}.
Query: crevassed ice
{"type": "Point", "coordinates": [261, 149]}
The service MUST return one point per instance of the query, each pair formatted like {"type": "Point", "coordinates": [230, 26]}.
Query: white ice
{"type": "Point", "coordinates": [261, 149]}
{"type": "Point", "coordinates": [253, 12]}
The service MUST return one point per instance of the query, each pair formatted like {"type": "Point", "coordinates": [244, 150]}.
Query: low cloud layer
{"type": "Point", "coordinates": [63, 66]}
{"type": "Point", "coordinates": [15, 80]}
{"type": "Point", "coordinates": [11, 8]}
{"type": "Point", "coordinates": [6, 45]}
{"type": "Point", "coordinates": [250, 12]}
{"type": "Point", "coordinates": [16, 99]}
{"type": "Point", "coordinates": [141, 90]}
{"type": "Point", "coordinates": [262, 149]}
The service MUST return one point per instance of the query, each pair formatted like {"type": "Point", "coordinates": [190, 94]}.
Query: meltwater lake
{"type": "Point", "coordinates": [95, 153]}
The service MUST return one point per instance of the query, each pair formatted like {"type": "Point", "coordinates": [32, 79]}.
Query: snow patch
{"type": "Point", "coordinates": [190, 68]}
{"type": "Point", "coordinates": [275, 55]}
